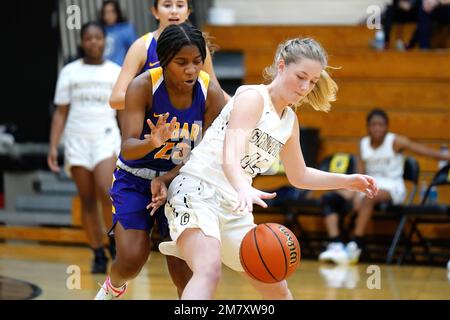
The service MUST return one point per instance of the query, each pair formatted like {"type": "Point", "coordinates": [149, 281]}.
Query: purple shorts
{"type": "Point", "coordinates": [130, 196]}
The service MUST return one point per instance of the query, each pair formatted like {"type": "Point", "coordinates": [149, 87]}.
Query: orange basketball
{"type": "Point", "coordinates": [270, 253]}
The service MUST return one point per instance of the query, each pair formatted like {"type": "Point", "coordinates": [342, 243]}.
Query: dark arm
{"type": "Point", "coordinates": [137, 100]}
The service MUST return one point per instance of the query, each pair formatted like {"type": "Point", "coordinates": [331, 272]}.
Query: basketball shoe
{"type": "Point", "coordinates": [353, 252]}
{"type": "Point", "coordinates": [108, 292]}
{"type": "Point", "coordinates": [335, 252]}
{"type": "Point", "coordinates": [448, 270]}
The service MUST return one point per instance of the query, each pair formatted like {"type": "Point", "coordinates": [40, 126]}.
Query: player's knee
{"type": "Point", "coordinates": [332, 202]}
{"type": "Point", "coordinates": [130, 269]}
{"type": "Point", "coordinates": [130, 263]}
{"type": "Point", "coordinates": [212, 271]}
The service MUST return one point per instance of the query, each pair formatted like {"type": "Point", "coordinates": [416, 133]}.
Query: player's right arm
{"type": "Point", "coordinates": [57, 127]}
{"type": "Point", "coordinates": [247, 110]}
{"type": "Point", "coordinates": [138, 100]}
{"type": "Point", "coordinates": [62, 101]}
{"type": "Point", "coordinates": [133, 63]}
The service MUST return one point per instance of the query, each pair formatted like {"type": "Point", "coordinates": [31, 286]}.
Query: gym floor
{"type": "Point", "coordinates": [37, 271]}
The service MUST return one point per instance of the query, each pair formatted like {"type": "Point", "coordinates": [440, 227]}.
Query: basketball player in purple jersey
{"type": "Point", "coordinates": [178, 92]}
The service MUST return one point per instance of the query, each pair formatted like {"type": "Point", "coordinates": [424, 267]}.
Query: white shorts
{"type": "Point", "coordinates": [395, 187]}
{"type": "Point", "coordinates": [88, 151]}
{"type": "Point", "coordinates": [193, 203]}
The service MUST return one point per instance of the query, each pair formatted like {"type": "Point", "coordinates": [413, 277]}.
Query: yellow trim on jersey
{"type": "Point", "coordinates": [204, 80]}
{"type": "Point", "coordinates": [148, 39]}
{"type": "Point", "coordinates": [203, 76]}
{"type": "Point", "coordinates": [156, 75]}
{"type": "Point", "coordinates": [113, 209]}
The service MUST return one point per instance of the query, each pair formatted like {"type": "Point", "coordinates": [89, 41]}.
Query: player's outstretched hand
{"type": "Point", "coordinates": [159, 195]}
{"type": "Point", "coordinates": [363, 183]}
{"type": "Point", "coordinates": [162, 131]}
{"type": "Point", "coordinates": [247, 196]}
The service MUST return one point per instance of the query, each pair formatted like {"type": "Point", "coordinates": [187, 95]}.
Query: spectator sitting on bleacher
{"type": "Point", "coordinates": [381, 156]}
{"type": "Point", "coordinates": [431, 11]}
{"type": "Point", "coordinates": [400, 11]}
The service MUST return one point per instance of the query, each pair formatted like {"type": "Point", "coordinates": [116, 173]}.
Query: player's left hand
{"type": "Point", "coordinates": [363, 183]}
{"type": "Point", "coordinates": [247, 196]}
{"type": "Point", "coordinates": [159, 195]}
{"type": "Point", "coordinates": [162, 131]}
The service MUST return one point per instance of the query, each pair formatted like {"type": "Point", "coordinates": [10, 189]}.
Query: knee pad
{"type": "Point", "coordinates": [333, 203]}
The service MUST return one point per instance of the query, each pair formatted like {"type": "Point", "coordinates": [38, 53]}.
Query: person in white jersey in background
{"type": "Point", "coordinates": [381, 156]}
{"type": "Point", "coordinates": [210, 202]}
{"type": "Point", "coordinates": [91, 134]}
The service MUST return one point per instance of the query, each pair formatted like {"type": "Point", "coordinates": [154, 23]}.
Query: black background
{"type": "Point", "coordinates": [29, 56]}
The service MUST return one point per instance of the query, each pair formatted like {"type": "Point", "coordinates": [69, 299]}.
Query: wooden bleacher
{"type": "Point", "coordinates": [73, 234]}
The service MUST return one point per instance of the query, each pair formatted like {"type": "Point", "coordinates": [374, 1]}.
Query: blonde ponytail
{"type": "Point", "coordinates": [323, 93]}
{"type": "Point", "coordinates": [296, 49]}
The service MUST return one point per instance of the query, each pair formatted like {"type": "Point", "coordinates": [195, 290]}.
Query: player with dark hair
{"type": "Point", "coordinates": [178, 92]}
{"type": "Point", "coordinates": [91, 133]}
{"type": "Point", "coordinates": [142, 54]}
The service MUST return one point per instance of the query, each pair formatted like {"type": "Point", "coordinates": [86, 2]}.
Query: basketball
{"type": "Point", "coordinates": [270, 253]}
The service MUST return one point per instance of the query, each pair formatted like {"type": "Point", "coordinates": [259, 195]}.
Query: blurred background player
{"type": "Point", "coordinates": [399, 12]}
{"type": "Point", "coordinates": [120, 34]}
{"type": "Point", "coordinates": [210, 204]}
{"type": "Point", "coordinates": [381, 156]}
{"type": "Point", "coordinates": [177, 91]}
{"type": "Point", "coordinates": [91, 134]}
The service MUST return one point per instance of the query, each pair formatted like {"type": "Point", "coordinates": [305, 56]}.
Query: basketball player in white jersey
{"type": "Point", "coordinates": [381, 156]}
{"type": "Point", "coordinates": [91, 135]}
{"type": "Point", "coordinates": [210, 202]}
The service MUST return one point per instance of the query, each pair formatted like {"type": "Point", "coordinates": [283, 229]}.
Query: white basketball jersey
{"type": "Point", "coordinates": [87, 88]}
{"type": "Point", "coordinates": [382, 161]}
{"type": "Point", "coordinates": [262, 149]}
